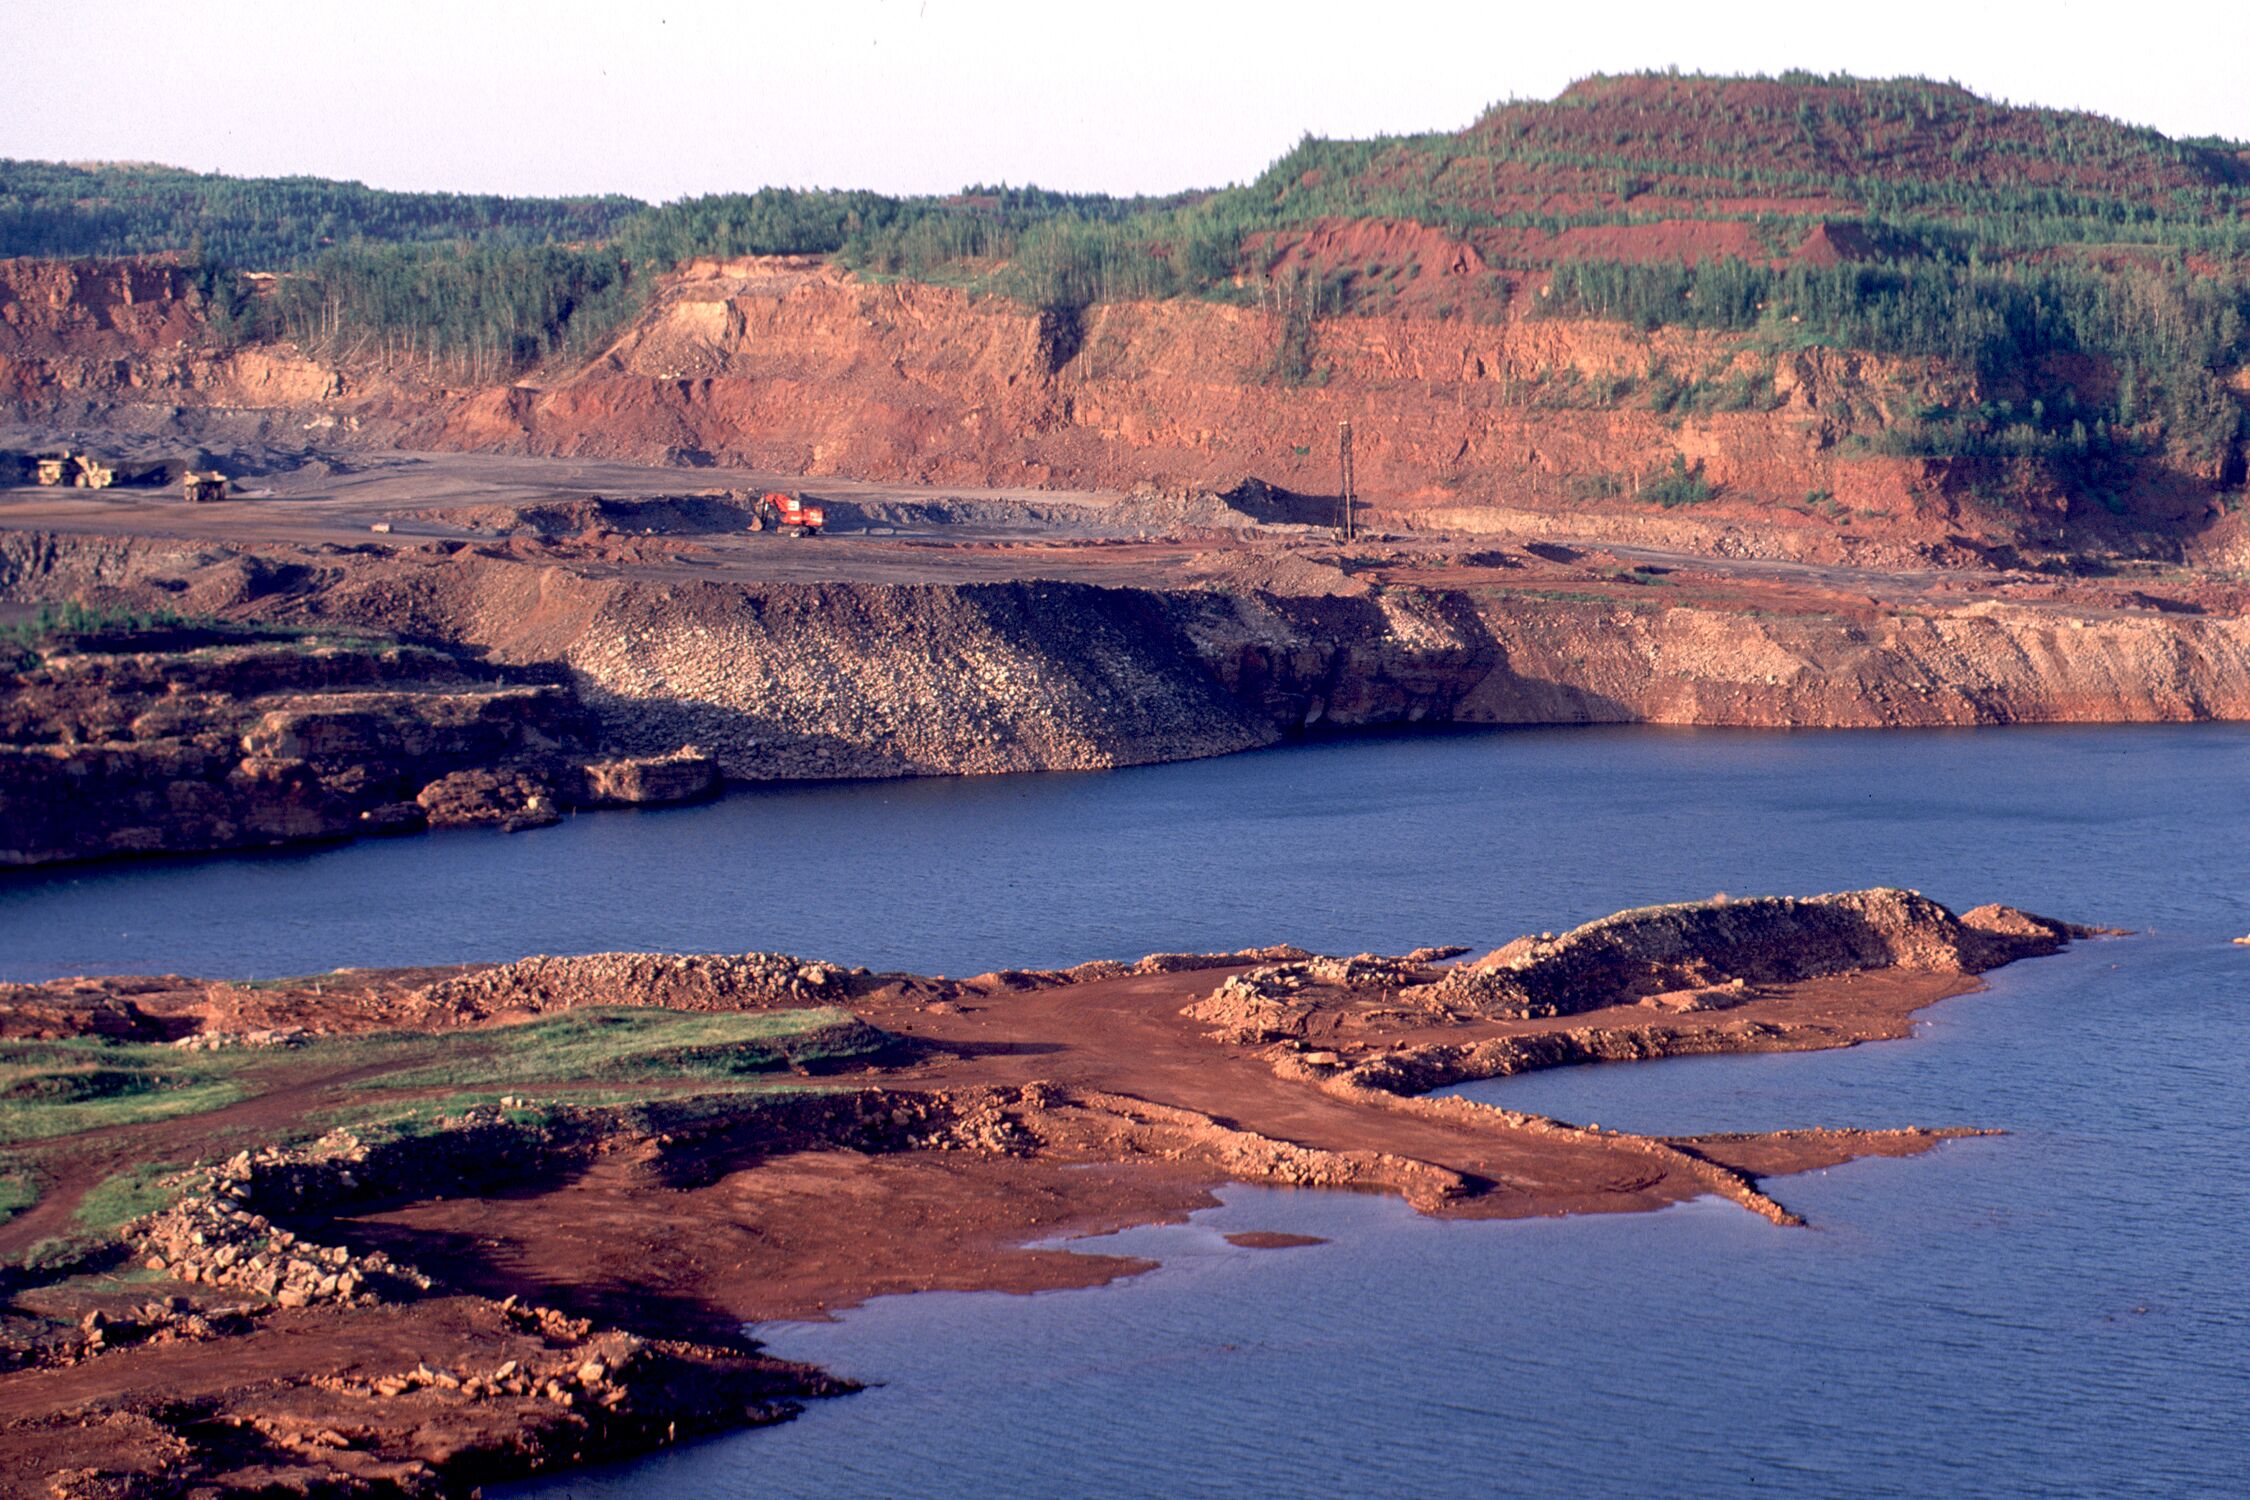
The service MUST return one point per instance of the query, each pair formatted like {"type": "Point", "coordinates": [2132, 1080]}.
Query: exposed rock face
{"type": "Point", "coordinates": [133, 332]}
{"type": "Point", "coordinates": [212, 1235]}
{"type": "Point", "coordinates": [825, 680]}
{"type": "Point", "coordinates": [512, 798]}
{"type": "Point", "coordinates": [791, 365]}
{"type": "Point", "coordinates": [186, 739]}
{"type": "Point", "coordinates": [635, 781]}
{"type": "Point", "coordinates": [1704, 945]}
{"type": "Point", "coordinates": [861, 679]}
{"type": "Point", "coordinates": [210, 741]}
{"type": "Point", "coordinates": [1296, 997]}
{"type": "Point", "coordinates": [865, 679]}
{"type": "Point", "coordinates": [789, 680]}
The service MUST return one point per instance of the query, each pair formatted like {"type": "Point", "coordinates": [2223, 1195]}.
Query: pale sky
{"type": "Point", "coordinates": [660, 98]}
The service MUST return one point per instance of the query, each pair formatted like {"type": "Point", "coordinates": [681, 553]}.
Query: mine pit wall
{"type": "Point", "coordinates": [795, 366]}
{"type": "Point", "coordinates": [868, 680]}
{"type": "Point", "coordinates": [844, 680]}
{"type": "Point", "coordinates": [792, 366]}
{"type": "Point", "coordinates": [876, 680]}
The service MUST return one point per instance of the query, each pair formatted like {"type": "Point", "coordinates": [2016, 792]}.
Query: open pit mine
{"type": "Point", "coordinates": [1802, 403]}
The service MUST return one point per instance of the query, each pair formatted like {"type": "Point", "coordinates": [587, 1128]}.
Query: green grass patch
{"type": "Point", "coordinates": [73, 617]}
{"type": "Point", "coordinates": [124, 1196]}
{"type": "Point", "coordinates": [1563, 596]}
{"type": "Point", "coordinates": [52, 1253]}
{"type": "Point", "coordinates": [390, 1121]}
{"type": "Point", "coordinates": [57, 1088]}
{"type": "Point", "coordinates": [640, 1044]}
{"type": "Point", "coordinates": [80, 627]}
{"type": "Point", "coordinates": [17, 1193]}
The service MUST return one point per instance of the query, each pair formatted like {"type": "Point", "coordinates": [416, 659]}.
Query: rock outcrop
{"type": "Point", "coordinates": [1723, 944]}
{"type": "Point", "coordinates": [184, 739]}
{"type": "Point", "coordinates": [1298, 996]}
{"type": "Point", "coordinates": [635, 781]}
{"type": "Point", "coordinates": [212, 1237]}
{"type": "Point", "coordinates": [848, 679]}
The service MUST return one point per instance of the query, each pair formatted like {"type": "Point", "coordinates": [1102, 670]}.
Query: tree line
{"type": "Point", "coordinates": [263, 223]}
{"type": "Point", "coordinates": [2173, 334]}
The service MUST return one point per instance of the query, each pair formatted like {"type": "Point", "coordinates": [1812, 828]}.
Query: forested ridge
{"type": "Point", "coordinates": [1988, 235]}
{"type": "Point", "coordinates": [263, 223]}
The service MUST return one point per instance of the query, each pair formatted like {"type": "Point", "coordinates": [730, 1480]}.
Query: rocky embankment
{"type": "Point", "coordinates": [881, 680]}
{"type": "Point", "coordinates": [692, 981]}
{"type": "Point", "coordinates": [843, 679]}
{"type": "Point", "coordinates": [1698, 960]}
{"type": "Point", "coordinates": [450, 1390]}
{"type": "Point", "coordinates": [139, 739]}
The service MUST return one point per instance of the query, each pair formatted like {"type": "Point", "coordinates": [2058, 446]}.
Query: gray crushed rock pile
{"type": "Point", "coordinates": [1279, 1000]}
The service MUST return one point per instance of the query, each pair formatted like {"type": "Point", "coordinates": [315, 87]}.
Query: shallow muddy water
{"type": "Point", "coordinates": [2056, 1311]}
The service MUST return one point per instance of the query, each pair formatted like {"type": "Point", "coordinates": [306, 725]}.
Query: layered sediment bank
{"type": "Point", "coordinates": [536, 1201]}
{"type": "Point", "coordinates": [672, 642]}
{"type": "Point", "coordinates": [1470, 422]}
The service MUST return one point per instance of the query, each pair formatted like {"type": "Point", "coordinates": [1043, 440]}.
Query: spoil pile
{"type": "Point", "coordinates": [379, 1288]}
{"type": "Point", "coordinates": [1708, 945]}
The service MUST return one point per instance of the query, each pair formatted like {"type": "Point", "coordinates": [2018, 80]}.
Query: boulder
{"type": "Point", "coordinates": [634, 781]}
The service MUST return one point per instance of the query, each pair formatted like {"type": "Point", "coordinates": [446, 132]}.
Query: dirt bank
{"type": "Point", "coordinates": [794, 366]}
{"type": "Point", "coordinates": [529, 1237]}
{"type": "Point", "coordinates": [123, 735]}
{"type": "Point", "coordinates": [871, 657]}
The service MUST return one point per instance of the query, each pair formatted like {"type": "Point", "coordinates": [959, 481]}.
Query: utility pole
{"type": "Point", "coordinates": [1347, 490]}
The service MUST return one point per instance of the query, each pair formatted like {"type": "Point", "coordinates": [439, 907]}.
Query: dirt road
{"type": "Point", "coordinates": [901, 533]}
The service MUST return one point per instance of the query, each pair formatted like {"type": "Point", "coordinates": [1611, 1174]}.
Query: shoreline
{"type": "Point", "coordinates": [570, 1258]}
{"type": "Point", "coordinates": [724, 791]}
{"type": "Point", "coordinates": [533, 672]}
